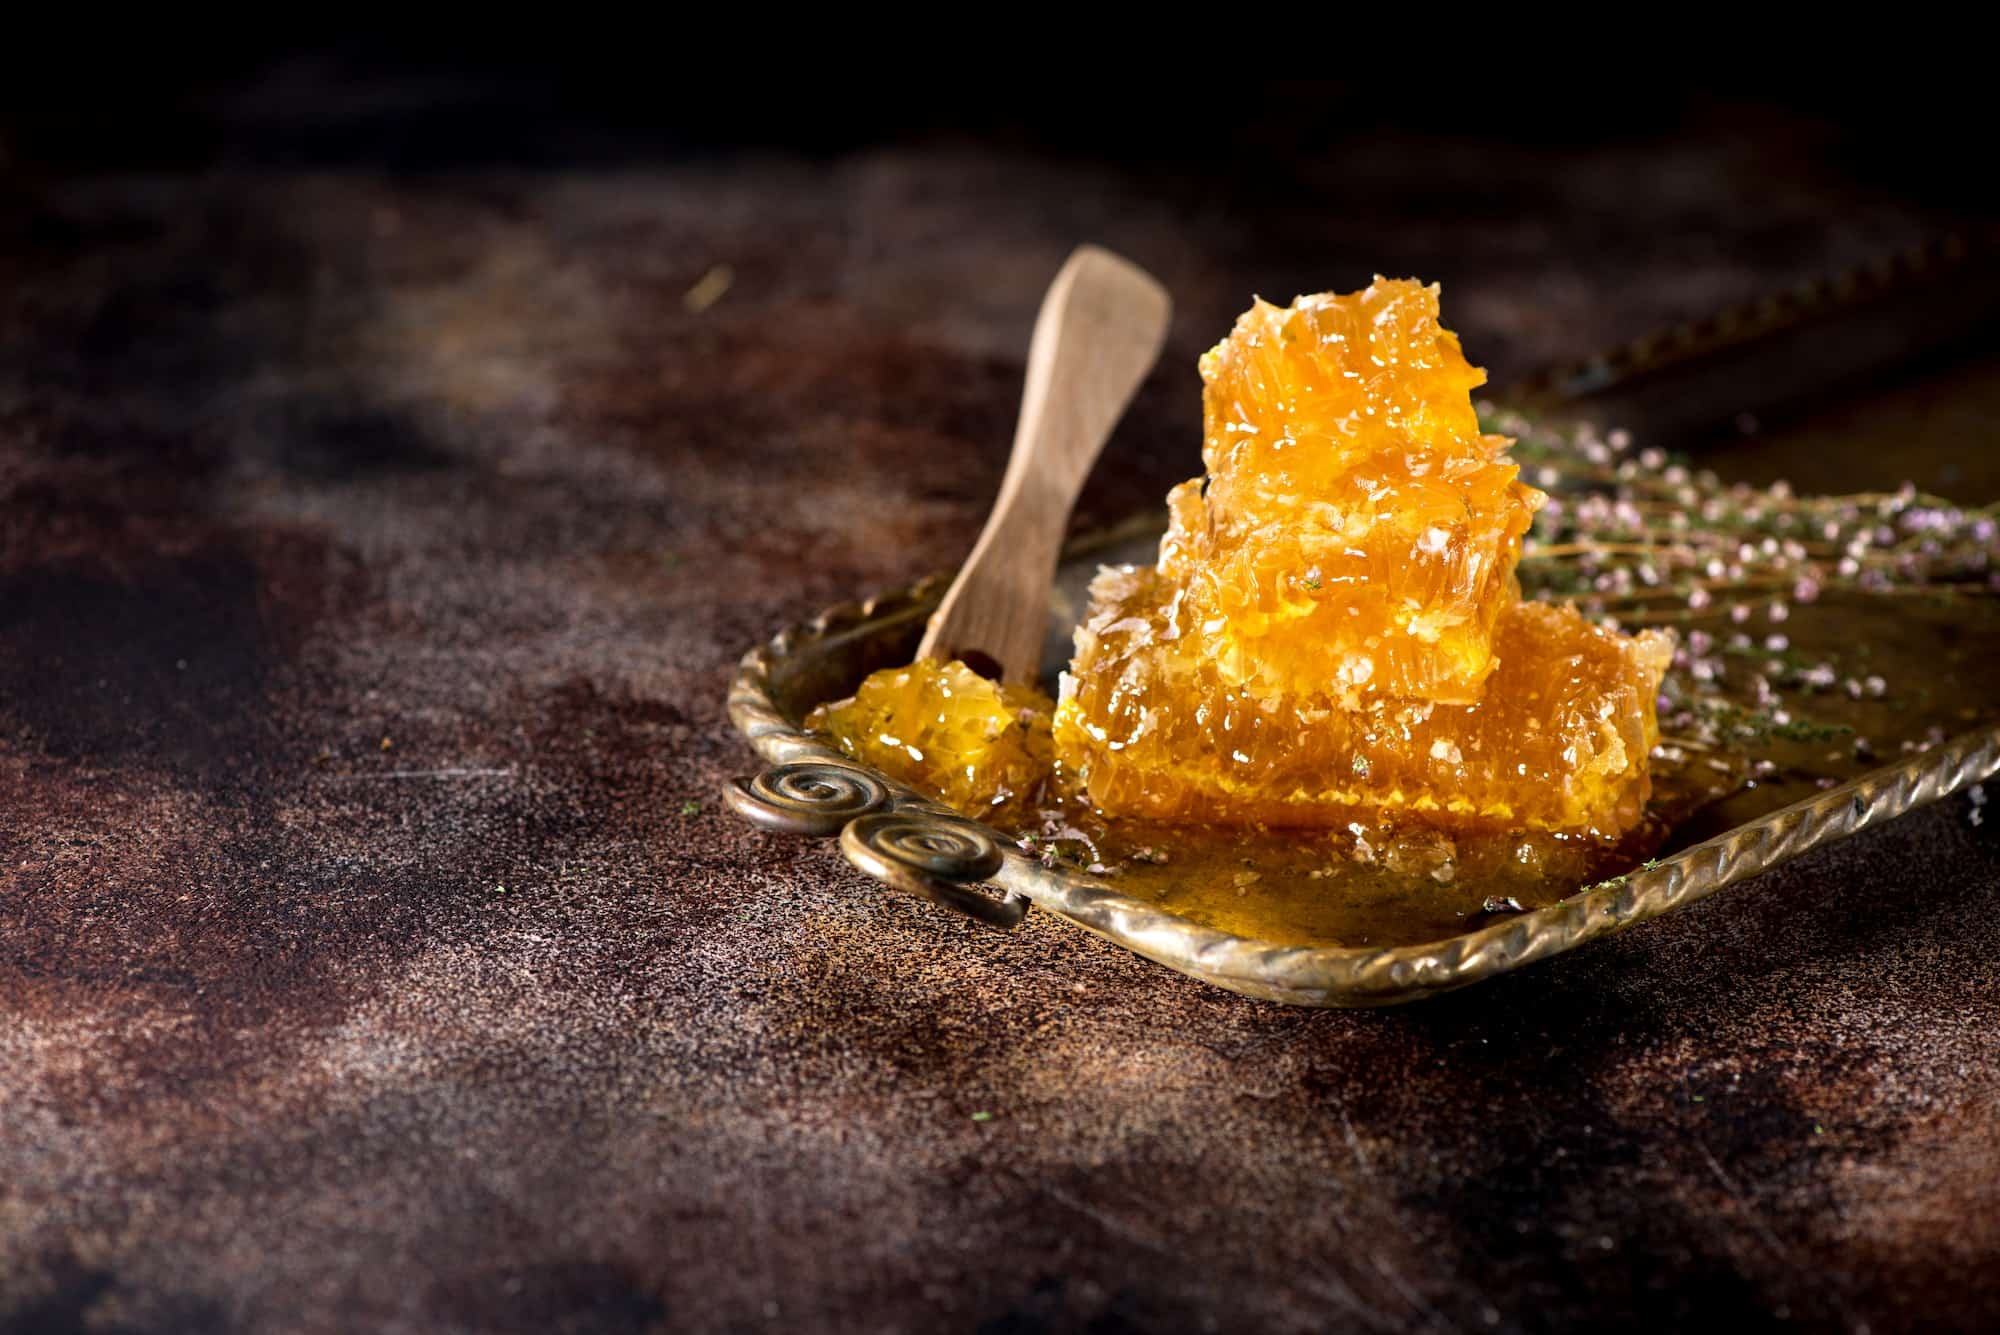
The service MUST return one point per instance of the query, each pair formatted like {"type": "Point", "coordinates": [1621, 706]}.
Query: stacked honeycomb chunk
{"type": "Point", "coordinates": [1334, 625]}
{"type": "Point", "coordinates": [1355, 535]}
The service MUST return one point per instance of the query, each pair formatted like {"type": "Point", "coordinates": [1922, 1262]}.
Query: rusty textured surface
{"type": "Point", "coordinates": [374, 553]}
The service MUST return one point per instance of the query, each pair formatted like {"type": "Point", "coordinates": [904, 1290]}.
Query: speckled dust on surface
{"type": "Point", "coordinates": [374, 553]}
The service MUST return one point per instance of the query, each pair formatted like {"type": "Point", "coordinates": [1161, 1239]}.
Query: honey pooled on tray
{"type": "Point", "coordinates": [980, 746]}
{"type": "Point", "coordinates": [1558, 741]}
{"type": "Point", "coordinates": [1356, 534]}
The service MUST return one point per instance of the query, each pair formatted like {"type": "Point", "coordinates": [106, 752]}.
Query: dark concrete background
{"type": "Point", "coordinates": [376, 540]}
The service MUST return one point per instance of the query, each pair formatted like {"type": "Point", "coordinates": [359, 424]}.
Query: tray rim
{"type": "Point", "coordinates": [1309, 975]}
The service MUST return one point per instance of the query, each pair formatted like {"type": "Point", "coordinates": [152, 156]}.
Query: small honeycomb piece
{"type": "Point", "coordinates": [979, 746]}
{"type": "Point", "coordinates": [1356, 534]}
{"type": "Point", "coordinates": [1559, 740]}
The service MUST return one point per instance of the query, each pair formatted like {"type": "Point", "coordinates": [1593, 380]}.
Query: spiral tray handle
{"type": "Point", "coordinates": [815, 798]}
{"type": "Point", "coordinates": [896, 837]}
{"type": "Point", "coordinates": [934, 857]}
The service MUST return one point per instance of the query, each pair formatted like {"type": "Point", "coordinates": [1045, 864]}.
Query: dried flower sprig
{"type": "Point", "coordinates": [1636, 537]}
{"type": "Point", "coordinates": [1639, 536]}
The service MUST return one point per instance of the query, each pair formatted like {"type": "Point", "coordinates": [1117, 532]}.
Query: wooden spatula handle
{"type": "Point", "coordinates": [1099, 332]}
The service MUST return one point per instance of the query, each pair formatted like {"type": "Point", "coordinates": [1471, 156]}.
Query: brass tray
{"type": "Point", "coordinates": [916, 845]}
{"type": "Point", "coordinates": [1670, 387]}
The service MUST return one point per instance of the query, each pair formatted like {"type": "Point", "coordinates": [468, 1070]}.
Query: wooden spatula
{"type": "Point", "coordinates": [1099, 332]}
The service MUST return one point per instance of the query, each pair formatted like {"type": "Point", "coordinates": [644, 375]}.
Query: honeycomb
{"type": "Point", "coordinates": [976, 745]}
{"type": "Point", "coordinates": [1333, 631]}
{"type": "Point", "coordinates": [1356, 534]}
{"type": "Point", "coordinates": [1558, 741]}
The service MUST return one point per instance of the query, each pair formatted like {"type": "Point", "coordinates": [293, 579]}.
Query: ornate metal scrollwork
{"type": "Point", "coordinates": [809, 797]}
{"type": "Point", "coordinates": [936, 857]}
{"type": "Point", "coordinates": [888, 832]}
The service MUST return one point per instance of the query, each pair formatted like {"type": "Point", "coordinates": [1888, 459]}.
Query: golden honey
{"type": "Point", "coordinates": [977, 745]}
